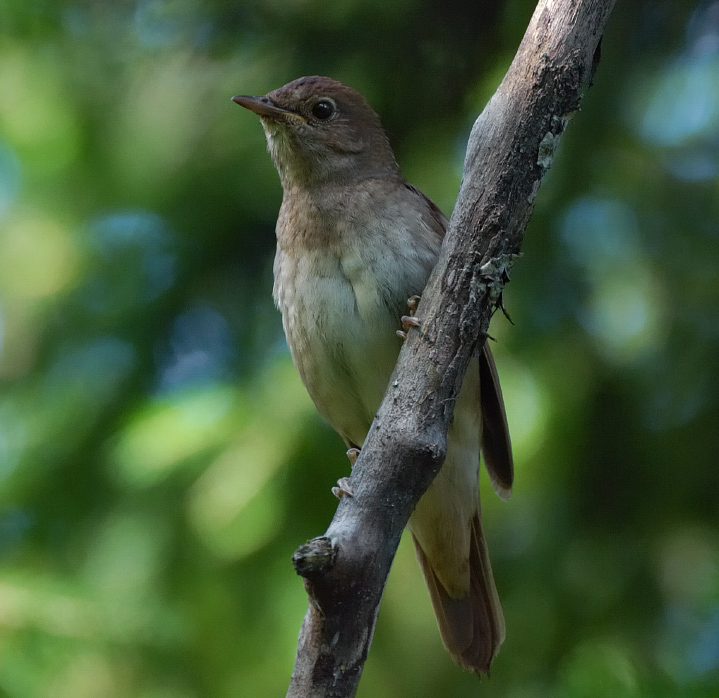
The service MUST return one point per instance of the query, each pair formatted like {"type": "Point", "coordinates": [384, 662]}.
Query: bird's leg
{"type": "Point", "coordinates": [353, 454]}
{"type": "Point", "coordinates": [409, 320]}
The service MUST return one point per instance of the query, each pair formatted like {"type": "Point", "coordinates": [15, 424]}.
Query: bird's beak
{"type": "Point", "coordinates": [263, 106]}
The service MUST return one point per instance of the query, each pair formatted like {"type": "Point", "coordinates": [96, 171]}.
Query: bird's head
{"type": "Point", "coordinates": [319, 131]}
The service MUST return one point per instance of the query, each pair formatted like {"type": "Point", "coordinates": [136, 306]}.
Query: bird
{"type": "Point", "coordinates": [355, 241]}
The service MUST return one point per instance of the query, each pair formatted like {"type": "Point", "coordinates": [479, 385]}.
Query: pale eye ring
{"type": "Point", "coordinates": [323, 109]}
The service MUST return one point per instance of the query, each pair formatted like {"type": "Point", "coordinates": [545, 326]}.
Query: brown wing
{"type": "Point", "coordinates": [496, 446]}
{"type": "Point", "coordinates": [438, 220]}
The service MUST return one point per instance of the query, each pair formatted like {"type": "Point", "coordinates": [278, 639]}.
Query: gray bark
{"type": "Point", "coordinates": [510, 149]}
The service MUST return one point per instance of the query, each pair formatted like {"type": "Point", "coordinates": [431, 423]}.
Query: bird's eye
{"type": "Point", "coordinates": [323, 109]}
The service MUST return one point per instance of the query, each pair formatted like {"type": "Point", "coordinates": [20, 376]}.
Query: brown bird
{"type": "Point", "coordinates": [355, 240]}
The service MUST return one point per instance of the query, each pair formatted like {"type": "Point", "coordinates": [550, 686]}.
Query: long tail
{"type": "Point", "coordinates": [472, 627]}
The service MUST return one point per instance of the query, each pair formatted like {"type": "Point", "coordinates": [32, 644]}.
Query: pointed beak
{"type": "Point", "coordinates": [263, 106]}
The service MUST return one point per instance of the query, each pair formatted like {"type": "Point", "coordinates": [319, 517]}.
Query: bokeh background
{"type": "Point", "coordinates": [159, 458]}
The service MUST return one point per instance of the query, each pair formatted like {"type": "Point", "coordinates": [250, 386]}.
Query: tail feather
{"type": "Point", "coordinates": [472, 627]}
{"type": "Point", "coordinates": [496, 445]}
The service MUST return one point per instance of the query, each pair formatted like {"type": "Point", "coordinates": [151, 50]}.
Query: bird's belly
{"type": "Point", "coordinates": [343, 344]}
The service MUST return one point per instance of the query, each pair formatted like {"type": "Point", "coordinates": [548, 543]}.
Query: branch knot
{"type": "Point", "coordinates": [315, 557]}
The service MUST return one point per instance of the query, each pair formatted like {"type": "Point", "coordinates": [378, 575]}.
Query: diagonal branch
{"type": "Point", "coordinates": [510, 149]}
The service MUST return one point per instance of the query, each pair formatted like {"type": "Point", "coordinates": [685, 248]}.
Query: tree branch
{"type": "Point", "coordinates": [509, 151]}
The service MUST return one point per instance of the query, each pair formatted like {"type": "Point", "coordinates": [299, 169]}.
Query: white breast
{"type": "Point", "coordinates": [342, 340]}
{"type": "Point", "coordinates": [341, 304]}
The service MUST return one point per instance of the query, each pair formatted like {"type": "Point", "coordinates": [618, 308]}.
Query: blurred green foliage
{"type": "Point", "coordinates": [159, 458]}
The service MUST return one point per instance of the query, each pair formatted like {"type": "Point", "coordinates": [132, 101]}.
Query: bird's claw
{"type": "Point", "coordinates": [409, 320]}
{"type": "Point", "coordinates": [343, 488]}
{"type": "Point", "coordinates": [353, 454]}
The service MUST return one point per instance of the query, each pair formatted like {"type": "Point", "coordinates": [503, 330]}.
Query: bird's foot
{"type": "Point", "coordinates": [409, 320]}
{"type": "Point", "coordinates": [343, 488]}
{"type": "Point", "coordinates": [353, 454]}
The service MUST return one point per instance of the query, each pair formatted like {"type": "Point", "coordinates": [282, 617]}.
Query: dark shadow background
{"type": "Point", "coordinates": [159, 458]}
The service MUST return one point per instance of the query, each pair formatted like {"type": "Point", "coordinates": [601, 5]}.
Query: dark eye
{"type": "Point", "coordinates": [323, 109]}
